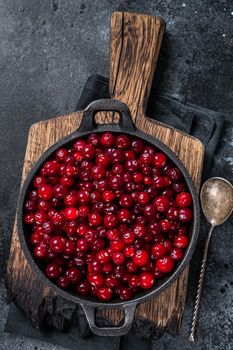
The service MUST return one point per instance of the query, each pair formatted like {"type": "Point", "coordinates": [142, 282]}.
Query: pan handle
{"type": "Point", "coordinates": [129, 310]}
{"type": "Point", "coordinates": [88, 123]}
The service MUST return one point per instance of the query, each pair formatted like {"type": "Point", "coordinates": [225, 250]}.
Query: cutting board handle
{"type": "Point", "coordinates": [135, 45]}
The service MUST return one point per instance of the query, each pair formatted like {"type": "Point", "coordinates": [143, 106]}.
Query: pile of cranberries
{"type": "Point", "coordinates": [108, 216]}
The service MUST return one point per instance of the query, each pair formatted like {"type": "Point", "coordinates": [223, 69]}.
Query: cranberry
{"type": "Point", "coordinates": [104, 293]}
{"type": "Point", "coordinates": [102, 256]}
{"type": "Point", "coordinates": [185, 214]}
{"type": "Point", "coordinates": [137, 145]}
{"type": "Point", "coordinates": [107, 139]}
{"type": "Point", "coordinates": [73, 274]}
{"type": "Point", "coordinates": [63, 282]}
{"type": "Point", "coordinates": [45, 192]}
{"type": "Point", "coordinates": [172, 214]}
{"type": "Point", "coordinates": [89, 152]}
{"type": "Point", "coordinates": [83, 197]}
{"type": "Point", "coordinates": [126, 201]}
{"type": "Point", "coordinates": [128, 237]}
{"type": "Point", "coordinates": [110, 221]}
{"type": "Point", "coordinates": [165, 264]}
{"type": "Point", "coordinates": [122, 142]}
{"type": "Point", "coordinates": [57, 244]}
{"type": "Point", "coordinates": [129, 251]}
{"type": "Point", "coordinates": [94, 140]}
{"type": "Point", "coordinates": [82, 244]}
{"type": "Point", "coordinates": [147, 280]}
{"type": "Point", "coordinates": [103, 160]}
{"type": "Point", "coordinates": [83, 288]}
{"type": "Point", "coordinates": [40, 251]}
{"type": "Point", "coordinates": [51, 167]}
{"type": "Point", "coordinates": [129, 155]}
{"type": "Point", "coordinates": [79, 145]}
{"type": "Point", "coordinates": [115, 182]}
{"type": "Point", "coordinates": [53, 271]}
{"type": "Point", "coordinates": [161, 204]}
{"type": "Point", "coordinates": [95, 219]}
{"type": "Point", "coordinates": [183, 199]}
{"type": "Point", "coordinates": [112, 281]}
{"type": "Point", "coordinates": [140, 258]}
{"type": "Point", "coordinates": [71, 213]}
{"type": "Point", "coordinates": [178, 187]}
{"type": "Point", "coordinates": [69, 247]}
{"type": "Point", "coordinates": [143, 198]}
{"type": "Point", "coordinates": [118, 258]}
{"type": "Point", "coordinates": [125, 293]}
{"type": "Point", "coordinates": [139, 230]}
{"type": "Point", "coordinates": [60, 191]}
{"type": "Point", "coordinates": [176, 254]}
{"type": "Point", "coordinates": [181, 241]}
{"type": "Point", "coordinates": [61, 154]}
{"type": "Point", "coordinates": [158, 250]}
{"type": "Point", "coordinates": [30, 205]}
{"type": "Point", "coordinates": [96, 280]}
{"type": "Point", "coordinates": [149, 211]}
{"type": "Point", "coordinates": [174, 174]}
{"type": "Point", "coordinates": [124, 215]}
{"type": "Point", "coordinates": [108, 196]}
{"type": "Point", "coordinates": [165, 225]}
{"type": "Point", "coordinates": [159, 160]}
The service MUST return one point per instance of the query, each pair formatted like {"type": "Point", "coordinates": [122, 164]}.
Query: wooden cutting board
{"type": "Point", "coordinates": [135, 44]}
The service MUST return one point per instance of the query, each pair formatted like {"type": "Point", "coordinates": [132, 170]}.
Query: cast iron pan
{"type": "Point", "coordinates": [89, 305]}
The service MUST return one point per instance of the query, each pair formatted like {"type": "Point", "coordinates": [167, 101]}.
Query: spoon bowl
{"type": "Point", "coordinates": [217, 200]}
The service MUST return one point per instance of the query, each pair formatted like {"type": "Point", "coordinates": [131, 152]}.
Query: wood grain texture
{"type": "Point", "coordinates": [130, 79]}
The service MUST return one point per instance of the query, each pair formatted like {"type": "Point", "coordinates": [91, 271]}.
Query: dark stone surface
{"type": "Point", "coordinates": [49, 48]}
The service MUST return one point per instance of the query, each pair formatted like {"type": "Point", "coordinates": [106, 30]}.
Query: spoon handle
{"type": "Point", "coordinates": [199, 286]}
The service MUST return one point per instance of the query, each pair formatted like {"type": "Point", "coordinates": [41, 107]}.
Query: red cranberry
{"type": "Point", "coordinates": [108, 196]}
{"type": "Point", "coordinates": [57, 244]}
{"type": "Point", "coordinates": [181, 241]}
{"type": "Point", "coordinates": [122, 142]}
{"type": "Point", "coordinates": [176, 254]}
{"type": "Point", "coordinates": [73, 274]}
{"type": "Point", "coordinates": [128, 237]}
{"type": "Point", "coordinates": [178, 187]}
{"type": "Point", "coordinates": [103, 160]}
{"type": "Point", "coordinates": [118, 258]}
{"type": "Point", "coordinates": [165, 225]}
{"type": "Point", "coordinates": [95, 219]}
{"type": "Point", "coordinates": [158, 250]}
{"type": "Point", "coordinates": [60, 191]}
{"type": "Point", "coordinates": [140, 258]}
{"type": "Point", "coordinates": [174, 174]}
{"type": "Point", "coordinates": [146, 280]}
{"type": "Point", "coordinates": [139, 230]}
{"type": "Point", "coordinates": [129, 155]}
{"type": "Point", "coordinates": [126, 200]}
{"type": "Point", "coordinates": [129, 251]}
{"type": "Point", "coordinates": [165, 264]}
{"type": "Point", "coordinates": [63, 282]}
{"type": "Point", "coordinates": [149, 211]}
{"type": "Point", "coordinates": [83, 288]}
{"type": "Point", "coordinates": [69, 247]}
{"type": "Point", "coordinates": [107, 139]}
{"type": "Point", "coordinates": [104, 293]}
{"type": "Point", "coordinates": [125, 293]}
{"type": "Point", "coordinates": [161, 204]}
{"type": "Point", "coordinates": [53, 271]}
{"type": "Point", "coordinates": [96, 280]}
{"type": "Point", "coordinates": [71, 213]}
{"type": "Point", "coordinates": [124, 215]}
{"type": "Point", "coordinates": [61, 154]}
{"type": "Point", "coordinates": [51, 167]}
{"type": "Point", "coordinates": [40, 251]}
{"type": "Point", "coordinates": [102, 256]}
{"type": "Point", "coordinates": [143, 198]}
{"type": "Point", "coordinates": [183, 199]}
{"type": "Point", "coordinates": [112, 281]}
{"type": "Point", "coordinates": [94, 140]}
{"type": "Point", "coordinates": [159, 160]}
{"type": "Point", "coordinates": [185, 214]}
{"type": "Point", "coordinates": [45, 192]}
{"type": "Point", "coordinates": [82, 244]}
{"type": "Point", "coordinates": [110, 221]}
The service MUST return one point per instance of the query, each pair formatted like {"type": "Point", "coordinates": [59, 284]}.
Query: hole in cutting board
{"type": "Point", "coordinates": [107, 117]}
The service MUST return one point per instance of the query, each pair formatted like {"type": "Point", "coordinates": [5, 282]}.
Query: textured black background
{"type": "Point", "coordinates": [49, 48]}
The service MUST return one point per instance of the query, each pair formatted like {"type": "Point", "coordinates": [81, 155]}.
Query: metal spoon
{"type": "Point", "coordinates": [217, 205]}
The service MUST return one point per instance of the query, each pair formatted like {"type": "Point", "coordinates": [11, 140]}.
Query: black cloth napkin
{"type": "Point", "coordinates": [168, 108]}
